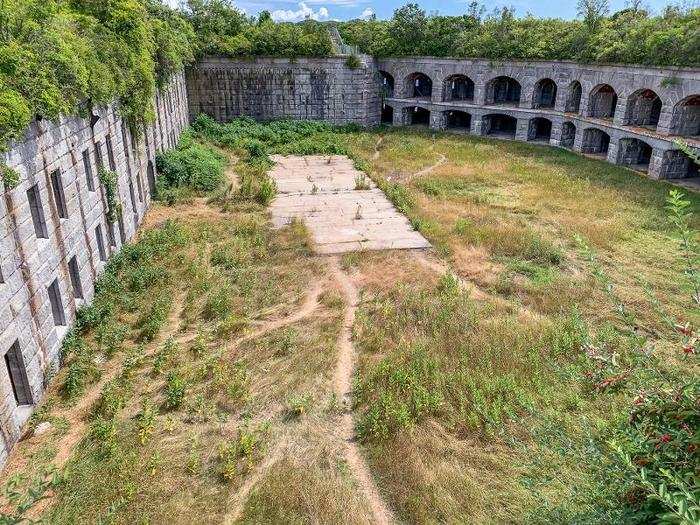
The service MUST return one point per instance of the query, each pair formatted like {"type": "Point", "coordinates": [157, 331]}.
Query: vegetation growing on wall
{"type": "Point", "coordinates": [59, 57]}
{"type": "Point", "coordinates": [632, 35]}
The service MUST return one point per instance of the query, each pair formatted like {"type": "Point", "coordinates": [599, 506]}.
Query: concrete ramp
{"type": "Point", "coordinates": [320, 190]}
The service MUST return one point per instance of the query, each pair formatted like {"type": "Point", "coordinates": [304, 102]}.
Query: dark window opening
{"type": "Point", "coordinates": [150, 173]}
{"type": "Point", "coordinates": [37, 211]}
{"type": "Point", "coordinates": [603, 101]}
{"type": "Point", "coordinates": [500, 126]}
{"type": "Point", "coordinates": [568, 135]}
{"type": "Point", "coordinates": [643, 109]}
{"type": "Point", "coordinates": [139, 186]}
{"type": "Point", "coordinates": [74, 272]}
{"type": "Point", "coordinates": [545, 94]}
{"type": "Point", "coordinates": [595, 142]}
{"type": "Point", "coordinates": [503, 90]}
{"type": "Point", "coordinates": [634, 153]}
{"type": "Point", "coordinates": [387, 83]}
{"type": "Point", "coordinates": [540, 130]}
{"type": "Point", "coordinates": [110, 234]}
{"type": "Point", "coordinates": [133, 197]}
{"type": "Point", "coordinates": [458, 120]}
{"type": "Point", "coordinates": [676, 164]}
{"type": "Point", "coordinates": [573, 100]}
{"type": "Point", "coordinates": [419, 116]}
{"type": "Point", "coordinates": [122, 231]}
{"type": "Point", "coordinates": [87, 165]}
{"type": "Point", "coordinates": [458, 87]}
{"type": "Point", "coordinates": [98, 155]}
{"type": "Point", "coordinates": [419, 86]}
{"type": "Point", "coordinates": [14, 361]}
{"type": "Point", "coordinates": [59, 316]}
{"type": "Point", "coordinates": [110, 153]}
{"type": "Point", "coordinates": [685, 119]}
{"type": "Point", "coordinates": [100, 243]}
{"type": "Point", "coordinates": [59, 196]}
{"type": "Point", "coordinates": [387, 114]}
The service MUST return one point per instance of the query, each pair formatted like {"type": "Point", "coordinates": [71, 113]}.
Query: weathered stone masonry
{"type": "Point", "coordinates": [58, 164]}
{"type": "Point", "coordinates": [267, 88]}
{"type": "Point", "coordinates": [629, 115]}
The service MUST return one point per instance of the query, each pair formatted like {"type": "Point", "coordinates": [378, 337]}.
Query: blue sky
{"type": "Point", "coordinates": [347, 9]}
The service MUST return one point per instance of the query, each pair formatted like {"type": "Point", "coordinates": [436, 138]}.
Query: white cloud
{"type": "Point", "coordinates": [367, 13]}
{"type": "Point", "coordinates": [304, 12]}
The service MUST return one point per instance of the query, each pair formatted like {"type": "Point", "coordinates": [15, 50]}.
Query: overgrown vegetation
{"type": "Point", "coordinates": [632, 35]}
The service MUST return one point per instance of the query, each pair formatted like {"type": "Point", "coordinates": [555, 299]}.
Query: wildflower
{"type": "Point", "coordinates": [685, 329]}
{"type": "Point", "coordinates": [688, 349]}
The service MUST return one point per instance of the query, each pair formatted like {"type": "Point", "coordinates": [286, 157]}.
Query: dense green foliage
{"type": "Point", "coordinates": [628, 36]}
{"type": "Point", "coordinates": [189, 167]}
{"type": "Point", "coordinates": [224, 30]}
{"type": "Point", "coordinates": [59, 57]}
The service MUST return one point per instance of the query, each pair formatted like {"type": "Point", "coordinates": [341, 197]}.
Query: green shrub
{"type": "Point", "coordinates": [175, 387]}
{"type": "Point", "coordinates": [190, 166]}
{"type": "Point", "coordinates": [659, 448]}
{"type": "Point", "coordinates": [353, 62]}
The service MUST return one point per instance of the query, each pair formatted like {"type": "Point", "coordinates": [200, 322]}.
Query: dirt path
{"type": "Point", "coordinates": [425, 171]}
{"type": "Point", "coordinates": [342, 383]}
{"type": "Point", "coordinates": [375, 156]}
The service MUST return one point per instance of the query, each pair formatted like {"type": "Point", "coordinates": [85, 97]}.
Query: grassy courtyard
{"type": "Point", "coordinates": [496, 373]}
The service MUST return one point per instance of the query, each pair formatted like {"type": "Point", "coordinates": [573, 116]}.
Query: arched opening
{"type": "Point", "coordinates": [568, 135]}
{"type": "Point", "coordinates": [634, 153]}
{"type": "Point", "coordinates": [387, 114]}
{"type": "Point", "coordinates": [602, 102]}
{"type": "Point", "coordinates": [417, 116]}
{"type": "Point", "coordinates": [151, 175]}
{"type": "Point", "coordinates": [539, 130]}
{"type": "Point", "coordinates": [458, 120]}
{"type": "Point", "coordinates": [676, 164]}
{"type": "Point", "coordinates": [503, 90]}
{"type": "Point", "coordinates": [419, 85]}
{"type": "Point", "coordinates": [643, 109]}
{"type": "Point", "coordinates": [595, 142]}
{"type": "Point", "coordinates": [498, 125]}
{"type": "Point", "coordinates": [685, 119]}
{"type": "Point", "coordinates": [387, 84]}
{"type": "Point", "coordinates": [573, 97]}
{"type": "Point", "coordinates": [545, 94]}
{"type": "Point", "coordinates": [458, 87]}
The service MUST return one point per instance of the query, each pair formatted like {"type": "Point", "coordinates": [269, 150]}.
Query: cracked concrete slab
{"type": "Point", "coordinates": [320, 190]}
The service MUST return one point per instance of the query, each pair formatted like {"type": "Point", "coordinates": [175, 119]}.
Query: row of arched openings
{"type": "Point", "coordinates": [643, 107]}
{"type": "Point", "coordinates": [632, 152]}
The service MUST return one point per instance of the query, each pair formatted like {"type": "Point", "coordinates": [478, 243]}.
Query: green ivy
{"type": "Point", "coordinates": [108, 179]}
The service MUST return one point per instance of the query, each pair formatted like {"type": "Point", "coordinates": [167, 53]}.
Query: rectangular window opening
{"type": "Point", "coordinates": [98, 155]}
{"type": "Point", "coordinates": [37, 211]}
{"type": "Point", "coordinates": [59, 195]}
{"type": "Point", "coordinates": [89, 177]}
{"type": "Point", "coordinates": [110, 153]}
{"type": "Point", "coordinates": [122, 231]}
{"type": "Point", "coordinates": [110, 234]}
{"type": "Point", "coordinates": [59, 316]}
{"type": "Point", "coordinates": [14, 361]}
{"type": "Point", "coordinates": [75, 277]}
{"type": "Point", "coordinates": [100, 243]}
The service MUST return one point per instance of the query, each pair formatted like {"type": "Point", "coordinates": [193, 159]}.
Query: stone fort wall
{"type": "Point", "coordinates": [628, 115]}
{"type": "Point", "coordinates": [51, 256]}
{"type": "Point", "coordinates": [268, 88]}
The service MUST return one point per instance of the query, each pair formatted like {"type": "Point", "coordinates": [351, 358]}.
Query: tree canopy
{"type": "Point", "coordinates": [632, 35]}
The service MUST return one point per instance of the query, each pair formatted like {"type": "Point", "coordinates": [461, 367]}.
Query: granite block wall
{"type": "Point", "coordinates": [58, 167]}
{"type": "Point", "coordinates": [323, 89]}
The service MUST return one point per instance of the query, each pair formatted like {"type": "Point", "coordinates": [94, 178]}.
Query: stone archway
{"type": "Point", "coordinates": [458, 88]}
{"type": "Point", "coordinates": [503, 91]}
{"type": "Point", "coordinates": [387, 116]}
{"type": "Point", "coordinates": [634, 153]}
{"type": "Point", "coordinates": [545, 94]}
{"type": "Point", "coordinates": [643, 109]}
{"type": "Point", "coordinates": [568, 135]}
{"type": "Point", "coordinates": [458, 120]}
{"type": "Point", "coordinates": [387, 84]}
{"type": "Point", "coordinates": [573, 97]}
{"type": "Point", "coordinates": [539, 130]}
{"type": "Point", "coordinates": [499, 125]}
{"type": "Point", "coordinates": [602, 102]}
{"type": "Point", "coordinates": [685, 119]}
{"type": "Point", "coordinates": [595, 142]}
{"type": "Point", "coordinates": [419, 85]}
